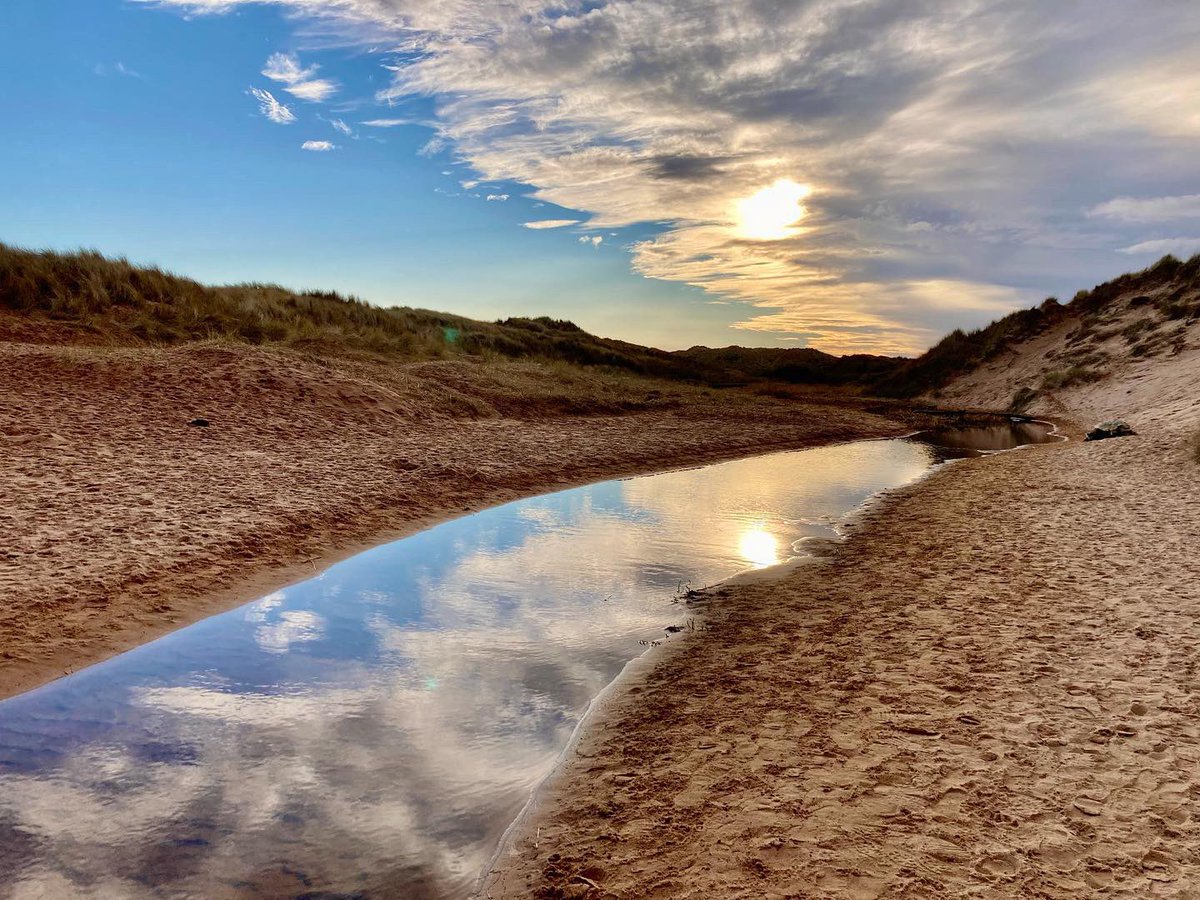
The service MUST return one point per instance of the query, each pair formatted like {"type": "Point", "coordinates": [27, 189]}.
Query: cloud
{"type": "Point", "coordinates": [975, 142]}
{"type": "Point", "coordinates": [497, 198]}
{"type": "Point", "coordinates": [595, 240]}
{"type": "Point", "coordinates": [272, 108]}
{"type": "Point", "coordinates": [1153, 209]}
{"type": "Point", "coordinates": [551, 223]}
{"type": "Point", "coordinates": [117, 68]}
{"type": "Point", "coordinates": [318, 146]}
{"type": "Point", "coordinates": [339, 125]}
{"type": "Point", "coordinates": [1180, 246]}
{"type": "Point", "coordinates": [387, 123]}
{"type": "Point", "coordinates": [297, 80]}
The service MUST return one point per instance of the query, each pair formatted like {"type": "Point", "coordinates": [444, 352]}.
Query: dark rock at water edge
{"type": "Point", "coordinates": [1115, 428]}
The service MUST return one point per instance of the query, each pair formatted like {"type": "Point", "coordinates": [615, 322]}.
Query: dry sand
{"type": "Point", "coordinates": [989, 690]}
{"type": "Point", "coordinates": [122, 522]}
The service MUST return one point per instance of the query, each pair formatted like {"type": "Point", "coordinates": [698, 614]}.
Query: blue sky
{"type": "Point", "coordinates": [848, 175]}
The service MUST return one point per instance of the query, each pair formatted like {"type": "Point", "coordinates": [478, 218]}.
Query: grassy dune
{"type": "Point", "coordinates": [111, 301]}
{"type": "Point", "coordinates": [1168, 291]}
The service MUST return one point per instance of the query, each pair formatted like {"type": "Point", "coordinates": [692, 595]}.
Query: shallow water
{"type": "Point", "coordinates": [372, 731]}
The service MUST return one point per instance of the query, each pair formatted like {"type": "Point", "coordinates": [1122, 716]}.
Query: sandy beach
{"type": "Point", "coordinates": [127, 522]}
{"type": "Point", "coordinates": [988, 690]}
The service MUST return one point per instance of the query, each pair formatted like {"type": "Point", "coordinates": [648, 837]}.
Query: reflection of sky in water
{"type": "Point", "coordinates": [374, 729]}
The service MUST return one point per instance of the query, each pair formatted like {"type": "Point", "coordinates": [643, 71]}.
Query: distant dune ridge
{"type": "Point", "coordinates": [87, 298]}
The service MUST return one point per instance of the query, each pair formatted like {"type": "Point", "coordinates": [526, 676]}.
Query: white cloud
{"type": "Point", "coordinates": [595, 240]}
{"type": "Point", "coordinates": [497, 198]}
{"type": "Point", "coordinates": [318, 146]}
{"type": "Point", "coordinates": [387, 123]}
{"type": "Point", "coordinates": [339, 125]}
{"type": "Point", "coordinates": [1180, 246]}
{"type": "Point", "coordinates": [272, 108]}
{"type": "Point", "coordinates": [940, 142]}
{"type": "Point", "coordinates": [551, 223]}
{"type": "Point", "coordinates": [298, 81]}
{"type": "Point", "coordinates": [1152, 209]}
{"type": "Point", "coordinates": [117, 68]}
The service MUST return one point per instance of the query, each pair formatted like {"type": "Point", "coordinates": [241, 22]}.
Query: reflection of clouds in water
{"type": "Point", "coordinates": [406, 766]}
{"type": "Point", "coordinates": [763, 494]}
{"type": "Point", "coordinates": [279, 628]}
{"type": "Point", "coordinates": [347, 770]}
{"type": "Point", "coordinates": [293, 627]}
{"type": "Point", "coordinates": [260, 609]}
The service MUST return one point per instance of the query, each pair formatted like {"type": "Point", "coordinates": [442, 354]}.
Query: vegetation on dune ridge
{"type": "Point", "coordinates": [104, 300]}
{"type": "Point", "coordinates": [91, 298]}
{"type": "Point", "coordinates": [113, 301]}
{"type": "Point", "coordinates": [793, 365]}
{"type": "Point", "coordinates": [1176, 283]}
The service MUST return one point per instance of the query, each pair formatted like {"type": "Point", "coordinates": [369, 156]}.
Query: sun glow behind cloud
{"type": "Point", "coordinates": [770, 213]}
{"type": "Point", "coordinates": [956, 151]}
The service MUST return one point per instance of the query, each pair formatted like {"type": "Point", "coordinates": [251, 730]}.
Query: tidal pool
{"type": "Point", "coordinates": [371, 732]}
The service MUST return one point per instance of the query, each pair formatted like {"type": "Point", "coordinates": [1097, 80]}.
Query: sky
{"type": "Point", "coordinates": [851, 175]}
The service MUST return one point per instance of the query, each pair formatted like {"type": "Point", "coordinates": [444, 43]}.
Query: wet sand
{"type": "Point", "coordinates": [124, 522]}
{"type": "Point", "coordinates": [989, 690]}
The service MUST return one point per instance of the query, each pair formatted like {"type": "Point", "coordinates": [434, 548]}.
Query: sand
{"type": "Point", "coordinates": [989, 690]}
{"type": "Point", "coordinates": [122, 521]}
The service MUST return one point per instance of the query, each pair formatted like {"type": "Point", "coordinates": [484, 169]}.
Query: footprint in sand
{"type": "Point", "coordinates": [1158, 866]}
{"type": "Point", "coordinates": [1101, 736]}
{"type": "Point", "coordinates": [999, 865]}
{"type": "Point", "coordinates": [1063, 859]}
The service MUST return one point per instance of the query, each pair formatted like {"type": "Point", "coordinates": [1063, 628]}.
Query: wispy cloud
{"type": "Point", "coordinates": [970, 146]}
{"type": "Point", "coordinates": [117, 68]}
{"type": "Point", "coordinates": [595, 240]}
{"type": "Point", "coordinates": [497, 198]}
{"type": "Point", "coordinates": [339, 125]}
{"type": "Point", "coordinates": [298, 81]}
{"type": "Point", "coordinates": [550, 223]}
{"type": "Point", "coordinates": [1183, 246]}
{"type": "Point", "coordinates": [272, 108]}
{"type": "Point", "coordinates": [1152, 209]}
{"type": "Point", "coordinates": [318, 146]}
{"type": "Point", "coordinates": [387, 123]}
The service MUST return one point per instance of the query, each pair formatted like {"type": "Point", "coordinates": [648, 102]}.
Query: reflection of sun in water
{"type": "Point", "coordinates": [769, 214]}
{"type": "Point", "coordinates": [759, 547]}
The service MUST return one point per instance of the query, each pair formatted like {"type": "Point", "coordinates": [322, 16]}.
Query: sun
{"type": "Point", "coordinates": [759, 547]}
{"type": "Point", "coordinates": [769, 214]}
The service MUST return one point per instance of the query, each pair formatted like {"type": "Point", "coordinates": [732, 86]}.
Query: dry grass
{"type": "Point", "coordinates": [111, 301]}
{"type": "Point", "coordinates": [1070, 376]}
{"type": "Point", "coordinates": [1177, 282]}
